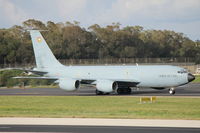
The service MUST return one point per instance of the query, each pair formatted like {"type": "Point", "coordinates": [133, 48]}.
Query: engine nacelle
{"type": "Point", "coordinates": [69, 84]}
{"type": "Point", "coordinates": [106, 85]}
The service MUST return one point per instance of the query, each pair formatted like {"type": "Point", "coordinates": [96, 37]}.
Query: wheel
{"type": "Point", "coordinates": [123, 91]}
{"type": "Point", "coordinates": [101, 93]}
{"type": "Point", "coordinates": [119, 91]}
{"type": "Point", "coordinates": [172, 91]}
{"type": "Point", "coordinates": [129, 90]}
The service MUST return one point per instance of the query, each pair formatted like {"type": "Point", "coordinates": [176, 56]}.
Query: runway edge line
{"type": "Point", "coordinates": [100, 122]}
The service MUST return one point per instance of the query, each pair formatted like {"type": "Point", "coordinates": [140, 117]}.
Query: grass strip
{"type": "Point", "coordinates": [99, 107]}
{"type": "Point", "coordinates": [197, 79]}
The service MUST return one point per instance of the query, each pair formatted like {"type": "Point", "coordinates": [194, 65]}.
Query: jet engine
{"type": "Point", "coordinates": [106, 85]}
{"type": "Point", "coordinates": [69, 84]}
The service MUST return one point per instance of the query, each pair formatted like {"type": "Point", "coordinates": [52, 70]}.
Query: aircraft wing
{"type": "Point", "coordinates": [126, 80]}
{"type": "Point", "coordinates": [121, 82]}
{"type": "Point", "coordinates": [127, 83]}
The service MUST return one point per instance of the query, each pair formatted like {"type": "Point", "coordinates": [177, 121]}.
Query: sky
{"type": "Point", "coordinates": [178, 15]}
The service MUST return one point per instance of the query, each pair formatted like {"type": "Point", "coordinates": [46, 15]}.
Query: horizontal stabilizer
{"type": "Point", "coordinates": [28, 70]}
{"type": "Point", "coordinates": [35, 71]}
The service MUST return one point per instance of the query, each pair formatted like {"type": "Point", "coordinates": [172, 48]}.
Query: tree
{"type": "Point", "coordinates": [34, 24]}
{"type": "Point", "coordinates": [71, 41]}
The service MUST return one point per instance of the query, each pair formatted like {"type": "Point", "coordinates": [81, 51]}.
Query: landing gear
{"type": "Point", "coordinates": [123, 91]}
{"type": "Point", "coordinates": [119, 91]}
{"type": "Point", "coordinates": [101, 93]}
{"type": "Point", "coordinates": [172, 91]}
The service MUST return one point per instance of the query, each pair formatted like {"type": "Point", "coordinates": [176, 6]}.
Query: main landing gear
{"type": "Point", "coordinates": [123, 91]}
{"type": "Point", "coordinates": [172, 91]}
{"type": "Point", "coordinates": [119, 91]}
{"type": "Point", "coordinates": [101, 92]}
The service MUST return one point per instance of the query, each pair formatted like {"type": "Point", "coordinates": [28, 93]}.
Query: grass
{"type": "Point", "coordinates": [99, 107]}
{"type": "Point", "coordinates": [197, 79]}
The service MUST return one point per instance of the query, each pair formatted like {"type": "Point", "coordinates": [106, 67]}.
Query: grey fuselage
{"type": "Point", "coordinates": [158, 76]}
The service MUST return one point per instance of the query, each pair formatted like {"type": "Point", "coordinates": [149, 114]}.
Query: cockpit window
{"type": "Point", "coordinates": [182, 71]}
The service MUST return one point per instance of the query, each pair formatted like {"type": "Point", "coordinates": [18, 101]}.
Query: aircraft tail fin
{"type": "Point", "coordinates": [43, 55]}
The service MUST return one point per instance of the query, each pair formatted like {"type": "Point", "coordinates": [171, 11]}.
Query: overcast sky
{"type": "Point", "coordinates": [178, 15]}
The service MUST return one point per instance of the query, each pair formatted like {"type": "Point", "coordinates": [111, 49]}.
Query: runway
{"type": "Point", "coordinates": [93, 129]}
{"type": "Point", "coordinates": [85, 125]}
{"type": "Point", "coordinates": [187, 90]}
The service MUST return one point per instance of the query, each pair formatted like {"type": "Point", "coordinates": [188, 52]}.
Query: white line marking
{"type": "Point", "coordinates": [100, 122]}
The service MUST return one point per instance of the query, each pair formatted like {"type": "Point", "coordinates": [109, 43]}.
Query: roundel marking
{"type": "Point", "coordinates": [39, 39]}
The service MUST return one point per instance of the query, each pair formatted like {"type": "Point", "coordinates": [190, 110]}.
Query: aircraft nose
{"type": "Point", "coordinates": [190, 77]}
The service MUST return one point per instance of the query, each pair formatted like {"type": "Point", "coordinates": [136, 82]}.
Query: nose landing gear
{"type": "Point", "coordinates": [172, 91]}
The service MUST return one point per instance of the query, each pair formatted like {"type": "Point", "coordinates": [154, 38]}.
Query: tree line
{"type": "Point", "coordinates": [71, 41]}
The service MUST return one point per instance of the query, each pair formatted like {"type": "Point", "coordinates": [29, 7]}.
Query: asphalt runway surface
{"type": "Point", "coordinates": [94, 129]}
{"type": "Point", "coordinates": [187, 90]}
